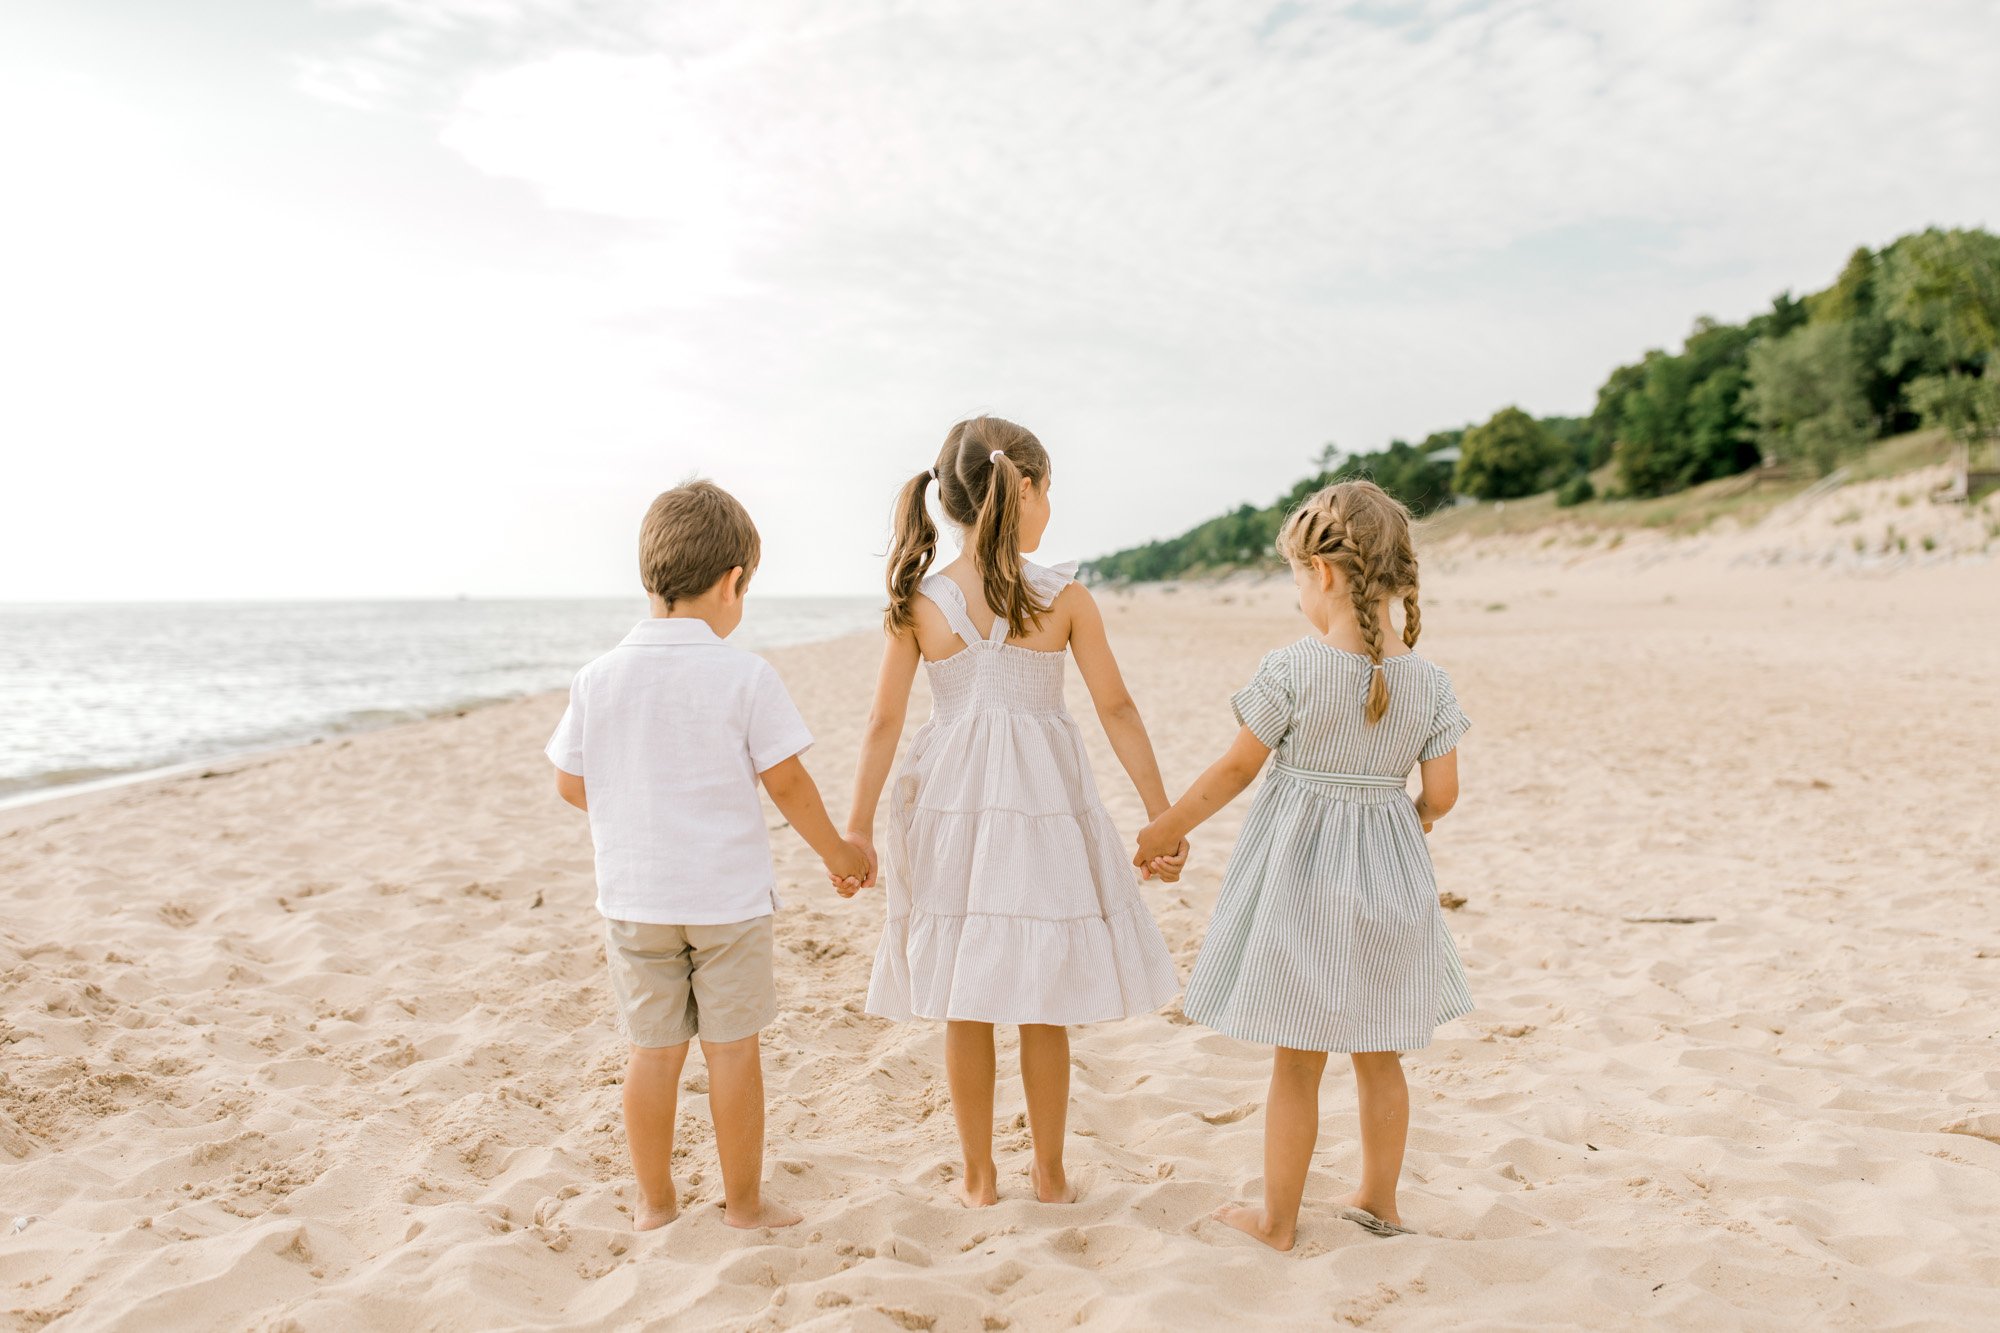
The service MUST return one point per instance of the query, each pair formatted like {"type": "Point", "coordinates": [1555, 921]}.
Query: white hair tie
{"type": "Point", "coordinates": [996, 455]}
{"type": "Point", "coordinates": [933, 472]}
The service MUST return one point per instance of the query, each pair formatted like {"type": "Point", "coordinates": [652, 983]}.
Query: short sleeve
{"type": "Point", "coordinates": [1265, 704]}
{"type": "Point", "coordinates": [776, 732]}
{"type": "Point", "coordinates": [1448, 721]}
{"type": "Point", "coordinates": [565, 748]}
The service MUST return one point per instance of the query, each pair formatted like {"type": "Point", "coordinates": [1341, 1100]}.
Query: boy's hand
{"type": "Point", "coordinates": [1155, 845]}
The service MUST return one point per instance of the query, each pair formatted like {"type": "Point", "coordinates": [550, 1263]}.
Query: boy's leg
{"type": "Point", "coordinates": [650, 967]}
{"type": "Point", "coordinates": [1291, 1128]}
{"type": "Point", "coordinates": [1045, 1079]}
{"type": "Point", "coordinates": [652, 1092]}
{"type": "Point", "coordinates": [968, 1068]}
{"type": "Point", "coordinates": [735, 998]}
{"type": "Point", "coordinates": [1384, 1098]}
{"type": "Point", "coordinates": [736, 1100]}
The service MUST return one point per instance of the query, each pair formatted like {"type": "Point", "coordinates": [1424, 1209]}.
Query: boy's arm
{"type": "Point", "coordinates": [1222, 783]}
{"type": "Point", "coordinates": [570, 787]}
{"type": "Point", "coordinates": [1440, 788]}
{"type": "Point", "coordinates": [797, 798]}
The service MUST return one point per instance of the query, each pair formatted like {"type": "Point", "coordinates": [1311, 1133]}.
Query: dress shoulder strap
{"type": "Point", "coordinates": [950, 599]}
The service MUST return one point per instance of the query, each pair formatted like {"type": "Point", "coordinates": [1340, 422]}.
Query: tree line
{"type": "Point", "coordinates": [1906, 336]}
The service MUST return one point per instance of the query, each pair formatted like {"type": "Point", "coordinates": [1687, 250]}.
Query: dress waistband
{"type": "Point", "coordinates": [1341, 779]}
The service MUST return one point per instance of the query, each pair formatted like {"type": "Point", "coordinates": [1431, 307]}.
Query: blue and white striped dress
{"type": "Point", "coordinates": [1328, 935]}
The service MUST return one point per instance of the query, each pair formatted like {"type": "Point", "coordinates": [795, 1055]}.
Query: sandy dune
{"type": "Point", "coordinates": [322, 1041]}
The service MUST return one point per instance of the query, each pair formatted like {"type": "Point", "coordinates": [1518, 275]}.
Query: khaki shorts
{"type": "Point", "coordinates": [678, 982]}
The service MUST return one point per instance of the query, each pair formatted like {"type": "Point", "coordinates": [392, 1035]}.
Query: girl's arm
{"type": "Point", "coordinates": [1222, 783]}
{"type": "Point", "coordinates": [879, 740]}
{"type": "Point", "coordinates": [1440, 788]}
{"type": "Point", "coordinates": [1119, 715]}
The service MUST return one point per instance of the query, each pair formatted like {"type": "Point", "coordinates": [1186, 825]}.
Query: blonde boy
{"type": "Point", "coordinates": [664, 742]}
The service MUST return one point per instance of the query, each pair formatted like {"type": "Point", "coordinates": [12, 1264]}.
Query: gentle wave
{"type": "Point", "coordinates": [93, 693]}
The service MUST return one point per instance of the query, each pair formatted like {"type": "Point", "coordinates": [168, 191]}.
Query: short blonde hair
{"type": "Point", "coordinates": [692, 536]}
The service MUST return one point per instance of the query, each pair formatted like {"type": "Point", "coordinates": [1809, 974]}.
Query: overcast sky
{"type": "Point", "coordinates": [426, 297]}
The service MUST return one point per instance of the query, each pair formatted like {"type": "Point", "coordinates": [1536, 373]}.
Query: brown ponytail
{"type": "Point", "coordinates": [910, 553]}
{"type": "Point", "coordinates": [1359, 528]}
{"type": "Point", "coordinates": [979, 472]}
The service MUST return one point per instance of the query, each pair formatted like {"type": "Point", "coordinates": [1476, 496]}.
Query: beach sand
{"type": "Point", "coordinates": [323, 1041]}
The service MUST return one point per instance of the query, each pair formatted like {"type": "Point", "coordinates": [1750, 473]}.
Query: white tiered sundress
{"type": "Point", "coordinates": [1011, 896]}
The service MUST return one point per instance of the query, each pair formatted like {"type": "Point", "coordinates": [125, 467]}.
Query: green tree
{"type": "Point", "coordinates": [1406, 471]}
{"type": "Point", "coordinates": [1806, 395]}
{"type": "Point", "coordinates": [1511, 454]}
{"type": "Point", "coordinates": [1685, 423]}
{"type": "Point", "coordinates": [1942, 293]}
{"type": "Point", "coordinates": [1607, 417]}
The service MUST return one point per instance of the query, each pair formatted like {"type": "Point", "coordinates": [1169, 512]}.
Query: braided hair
{"type": "Point", "coordinates": [1361, 530]}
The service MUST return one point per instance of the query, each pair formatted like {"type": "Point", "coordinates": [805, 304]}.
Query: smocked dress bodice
{"type": "Point", "coordinates": [1010, 899]}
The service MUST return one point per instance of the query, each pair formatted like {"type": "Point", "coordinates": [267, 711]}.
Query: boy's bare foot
{"type": "Point", "coordinates": [979, 1189]}
{"type": "Point", "coordinates": [1374, 1214]}
{"type": "Point", "coordinates": [1053, 1187]}
{"type": "Point", "coordinates": [767, 1213]}
{"type": "Point", "coordinates": [647, 1217]}
{"type": "Point", "coordinates": [1249, 1219]}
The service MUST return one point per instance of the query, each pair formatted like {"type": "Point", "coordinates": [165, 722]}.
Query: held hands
{"type": "Point", "coordinates": [1160, 855]}
{"type": "Point", "coordinates": [852, 867]}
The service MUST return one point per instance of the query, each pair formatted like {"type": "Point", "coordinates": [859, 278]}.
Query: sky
{"type": "Point", "coordinates": [415, 298]}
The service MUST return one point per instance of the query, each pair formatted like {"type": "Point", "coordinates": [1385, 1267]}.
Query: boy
{"type": "Point", "coordinates": [664, 742]}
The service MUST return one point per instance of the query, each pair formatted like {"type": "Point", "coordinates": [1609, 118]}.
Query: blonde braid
{"type": "Point", "coordinates": [1360, 528]}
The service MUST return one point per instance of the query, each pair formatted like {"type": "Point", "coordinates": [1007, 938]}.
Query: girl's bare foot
{"type": "Point", "coordinates": [979, 1189]}
{"type": "Point", "coordinates": [1052, 1186]}
{"type": "Point", "coordinates": [767, 1213]}
{"type": "Point", "coordinates": [646, 1216]}
{"type": "Point", "coordinates": [1381, 1210]}
{"type": "Point", "coordinates": [1249, 1219]}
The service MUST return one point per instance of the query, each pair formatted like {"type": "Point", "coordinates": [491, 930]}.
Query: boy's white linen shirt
{"type": "Point", "coordinates": [669, 731]}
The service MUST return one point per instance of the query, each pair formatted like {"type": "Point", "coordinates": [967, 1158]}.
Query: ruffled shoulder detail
{"type": "Point", "coordinates": [1048, 581]}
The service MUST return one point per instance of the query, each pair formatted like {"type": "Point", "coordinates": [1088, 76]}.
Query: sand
{"type": "Point", "coordinates": [323, 1040]}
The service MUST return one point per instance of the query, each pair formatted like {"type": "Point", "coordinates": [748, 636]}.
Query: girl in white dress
{"type": "Point", "coordinates": [1010, 899]}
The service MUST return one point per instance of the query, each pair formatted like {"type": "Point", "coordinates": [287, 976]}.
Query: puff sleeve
{"type": "Point", "coordinates": [1265, 704]}
{"type": "Point", "coordinates": [1448, 721]}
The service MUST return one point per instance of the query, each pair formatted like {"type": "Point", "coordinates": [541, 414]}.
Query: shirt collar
{"type": "Point", "coordinates": [671, 632]}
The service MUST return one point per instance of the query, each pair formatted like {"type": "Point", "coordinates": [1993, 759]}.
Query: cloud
{"type": "Point", "coordinates": [504, 250]}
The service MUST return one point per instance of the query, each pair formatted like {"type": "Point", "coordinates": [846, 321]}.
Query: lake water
{"type": "Point", "coordinates": [89, 692]}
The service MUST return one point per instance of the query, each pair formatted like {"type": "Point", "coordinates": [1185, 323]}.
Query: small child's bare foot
{"type": "Point", "coordinates": [647, 1217]}
{"type": "Point", "coordinates": [1053, 1186]}
{"type": "Point", "coordinates": [1372, 1215]}
{"type": "Point", "coordinates": [767, 1213]}
{"type": "Point", "coordinates": [979, 1189]}
{"type": "Point", "coordinates": [1249, 1220]}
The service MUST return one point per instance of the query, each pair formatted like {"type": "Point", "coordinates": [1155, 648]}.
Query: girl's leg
{"type": "Point", "coordinates": [1291, 1128]}
{"type": "Point", "coordinates": [1384, 1099]}
{"type": "Point", "coordinates": [968, 1068]}
{"type": "Point", "coordinates": [1045, 1078]}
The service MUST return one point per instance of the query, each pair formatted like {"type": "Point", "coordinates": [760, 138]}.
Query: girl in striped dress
{"type": "Point", "coordinates": [1328, 935]}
